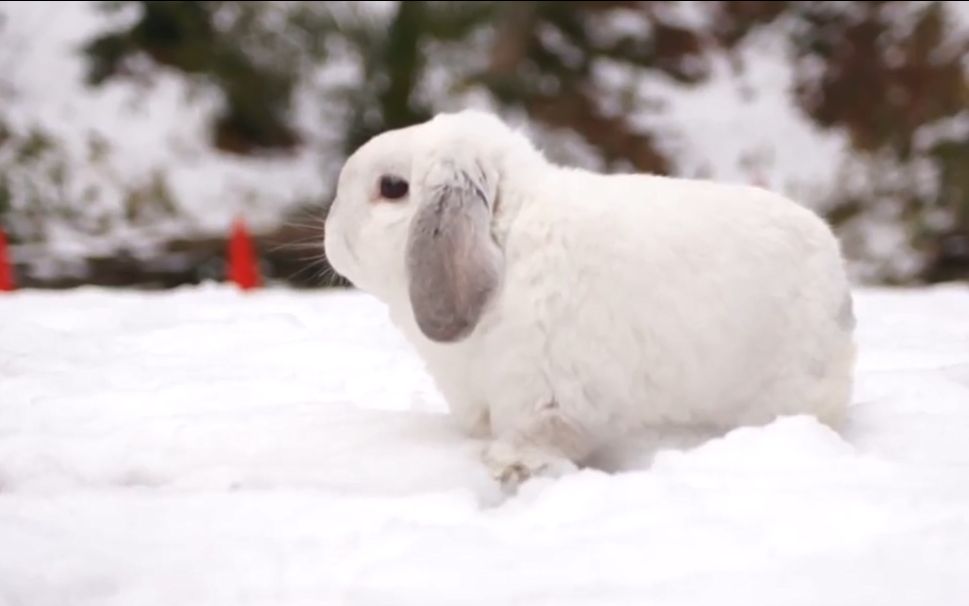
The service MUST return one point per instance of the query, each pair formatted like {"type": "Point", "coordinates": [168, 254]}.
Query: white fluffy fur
{"type": "Point", "coordinates": [627, 302]}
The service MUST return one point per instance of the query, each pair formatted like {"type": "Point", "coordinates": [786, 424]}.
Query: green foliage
{"type": "Point", "coordinates": [226, 44]}
{"type": "Point", "coordinates": [883, 73]}
{"type": "Point", "coordinates": [879, 83]}
{"type": "Point", "coordinates": [885, 84]}
{"type": "Point", "coordinates": [394, 59]}
{"type": "Point", "coordinates": [151, 202]}
{"type": "Point", "coordinates": [5, 196]}
{"type": "Point", "coordinates": [43, 187]}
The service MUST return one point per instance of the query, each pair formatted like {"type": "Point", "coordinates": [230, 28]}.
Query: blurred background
{"type": "Point", "coordinates": [133, 134]}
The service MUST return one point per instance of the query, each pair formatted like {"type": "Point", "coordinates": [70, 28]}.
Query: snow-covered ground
{"type": "Point", "coordinates": [205, 446]}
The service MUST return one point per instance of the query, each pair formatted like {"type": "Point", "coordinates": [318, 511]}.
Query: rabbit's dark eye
{"type": "Point", "coordinates": [392, 188]}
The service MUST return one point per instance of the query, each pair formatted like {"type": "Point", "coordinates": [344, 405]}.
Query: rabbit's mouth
{"type": "Point", "coordinates": [338, 251]}
{"type": "Point", "coordinates": [349, 248]}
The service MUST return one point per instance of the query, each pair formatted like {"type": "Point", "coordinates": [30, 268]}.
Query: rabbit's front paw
{"type": "Point", "coordinates": [513, 465]}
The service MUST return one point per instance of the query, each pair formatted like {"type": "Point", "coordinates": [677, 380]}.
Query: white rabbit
{"type": "Point", "coordinates": [559, 310]}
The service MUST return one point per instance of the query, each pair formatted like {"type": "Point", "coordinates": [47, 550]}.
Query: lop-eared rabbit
{"type": "Point", "coordinates": [559, 310]}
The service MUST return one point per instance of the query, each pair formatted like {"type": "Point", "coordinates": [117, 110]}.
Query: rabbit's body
{"type": "Point", "coordinates": [633, 301]}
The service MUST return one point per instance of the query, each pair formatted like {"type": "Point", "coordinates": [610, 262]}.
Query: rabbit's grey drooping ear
{"type": "Point", "coordinates": [453, 264]}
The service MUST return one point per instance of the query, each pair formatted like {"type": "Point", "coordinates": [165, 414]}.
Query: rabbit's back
{"type": "Point", "coordinates": [647, 301]}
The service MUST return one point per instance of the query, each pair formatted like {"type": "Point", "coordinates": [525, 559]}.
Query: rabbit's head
{"type": "Point", "coordinates": [411, 221]}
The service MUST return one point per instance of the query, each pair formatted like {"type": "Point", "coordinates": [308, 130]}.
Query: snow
{"type": "Point", "coordinates": [205, 446]}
